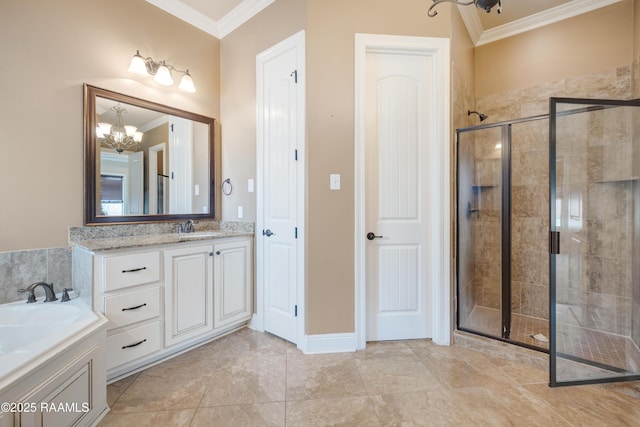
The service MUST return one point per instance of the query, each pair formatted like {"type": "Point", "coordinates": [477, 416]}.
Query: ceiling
{"type": "Point", "coordinates": [220, 17]}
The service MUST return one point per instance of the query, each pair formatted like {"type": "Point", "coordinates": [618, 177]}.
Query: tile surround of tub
{"type": "Point", "coordinates": [18, 269]}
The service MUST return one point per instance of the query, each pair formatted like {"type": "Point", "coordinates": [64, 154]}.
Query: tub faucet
{"type": "Point", "coordinates": [50, 295]}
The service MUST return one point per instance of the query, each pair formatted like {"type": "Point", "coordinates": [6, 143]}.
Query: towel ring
{"type": "Point", "coordinates": [227, 187]}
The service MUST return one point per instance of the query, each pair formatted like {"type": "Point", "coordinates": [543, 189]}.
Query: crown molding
{"type": "Point", "coordinates": [241, 14]}
{"type": "Point", "coordinates": [232, 20]}
{"type": "Point", "coordinates": [472, 22]}
{"type": "Point", "coordinates": [189, 15]}
{"type": "Point", "coordinates": [540, 19]}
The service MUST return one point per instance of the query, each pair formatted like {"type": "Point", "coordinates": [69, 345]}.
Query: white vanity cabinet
{"type": "Point", "coordinates": [188, 301]}
{"type": "Point", "coordinates": [162, 299]}
{"type": "Point", "coordinates": [233, 277]}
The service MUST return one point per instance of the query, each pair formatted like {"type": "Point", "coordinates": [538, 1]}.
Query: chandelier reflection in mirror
{"type": "Point", "coordinates": [161, 72]}
{"type": "Point", "coordinates": [119, 136]}
{"type": "Point", "coordinates": [486, 5]}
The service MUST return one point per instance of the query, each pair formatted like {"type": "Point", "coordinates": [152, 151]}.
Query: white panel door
{"type": "Point", "coordinates": [180, 165]}
{"type": "Point", "coordinates": [279, 189]}
{"type": "Point", "coordinates": [398, 116]}
{"type": "Point", "coordinates": [136, 184]}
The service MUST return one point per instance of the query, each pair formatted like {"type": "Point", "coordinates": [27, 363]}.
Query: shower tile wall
{"type": "Point", "coordinates": [530, 219]}
{"type": "Point", "coordinates": [462, 101]}
{"type": "Point", "coordinates": [487, 198]}
{"type": "Point", "coordinates": [530, 216]}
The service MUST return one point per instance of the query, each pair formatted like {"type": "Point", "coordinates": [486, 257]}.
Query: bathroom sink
{"type": "Point", "coordinates": [199, 235]}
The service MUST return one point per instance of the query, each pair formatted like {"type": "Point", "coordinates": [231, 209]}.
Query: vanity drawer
{"type": "Point", "coordinates": [132, 344]}
{"type": "Point", "coordinates": [121, 271]}
{"type": "Point", "coordinates": [131, 307]}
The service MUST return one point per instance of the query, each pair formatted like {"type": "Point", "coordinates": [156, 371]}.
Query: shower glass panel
{"type": "Point", "coordinates": [503, 231]}
{"type": "Point", "coordinates": [595, 236]}
{"type": "Point", "coordinates": [479, 231]}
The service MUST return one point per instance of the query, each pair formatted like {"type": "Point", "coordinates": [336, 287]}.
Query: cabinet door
{"type": "Point", "coordinates": [188, 292]}
{"type": "Point", "coordinates": [233, 280]}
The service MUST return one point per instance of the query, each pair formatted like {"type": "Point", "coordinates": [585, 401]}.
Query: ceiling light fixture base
{"type": "Point", "coordinates": [485, 5]}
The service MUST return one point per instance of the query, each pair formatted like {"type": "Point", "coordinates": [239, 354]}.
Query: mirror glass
{"type": "Point", "coordinates": [145, 161]}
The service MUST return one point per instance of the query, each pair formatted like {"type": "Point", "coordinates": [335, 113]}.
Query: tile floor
{"type": "Point", "coordinates": [254, 379]}
{"type": "Point", "coordinates": [601, 347]}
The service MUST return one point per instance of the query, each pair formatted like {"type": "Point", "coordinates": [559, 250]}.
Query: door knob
{"type": "Point", "coordinates": [372, 236]}
{"type": "Point", "coordinates": [268, 233]}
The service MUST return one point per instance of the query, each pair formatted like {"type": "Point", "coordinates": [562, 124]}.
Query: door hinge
{"type": "Point", "coordinates": [294, 73]}
{"type": "Point", "coordinates": [296, 232]}
{"type": "Point", "coordinates": [295, 154]}
{"type": "Point", "coordinates": [171, 127]}
{"type": "Point", "coordinates": [554, 242]}
{"type": "Point", "coordinates": [295, 310]}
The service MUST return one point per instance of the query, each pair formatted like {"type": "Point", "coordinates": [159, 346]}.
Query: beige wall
{"type": "Point", "coordinates": [332, 25]}
{"type": "Point", "coordinates": [238, 52]}
{"type": "Point", "coordinates": [330, 30]}
{"type": "Point", "coordinates": [590, 43]}
{"type": "Point", "coordinates": [49, 49]}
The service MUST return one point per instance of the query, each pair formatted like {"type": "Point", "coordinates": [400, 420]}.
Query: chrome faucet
{"type": "Point", "coordinates": [49, 293]}
{"type": "Point", "coordinates": [188, 227]}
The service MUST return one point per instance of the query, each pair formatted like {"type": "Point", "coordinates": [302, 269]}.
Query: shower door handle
{"type": "Point", "coordinates": [372, 236]}
{"type": "Point", "coordinates": [554, 242]}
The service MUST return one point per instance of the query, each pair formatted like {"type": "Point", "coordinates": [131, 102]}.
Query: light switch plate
{"type": "Point", "coordinates": [334, 181]}
{"type": "Point", "coordinates": [240, 212]}
{"type": "Point", "coordinates": [250, 185]}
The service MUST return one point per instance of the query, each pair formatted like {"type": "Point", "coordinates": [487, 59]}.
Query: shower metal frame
{"type": "Point", "coordinates": [505, 247]}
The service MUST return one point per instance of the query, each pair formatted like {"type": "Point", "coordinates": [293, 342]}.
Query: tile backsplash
{"type": "Point", "coordinates": [18, 269]}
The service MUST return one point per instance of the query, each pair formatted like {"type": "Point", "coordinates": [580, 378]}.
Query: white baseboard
{"type": "Point", "coordinates": [329, 343]}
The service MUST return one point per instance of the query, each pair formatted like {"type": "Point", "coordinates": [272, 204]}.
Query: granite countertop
{"type": "Point", "coordinates": [156, 239]}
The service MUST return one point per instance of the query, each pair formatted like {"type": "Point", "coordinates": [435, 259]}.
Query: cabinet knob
{"type": "Point", "coordinates": [210, 253]}
{"type": "Point", "coordinates": [217, 252]}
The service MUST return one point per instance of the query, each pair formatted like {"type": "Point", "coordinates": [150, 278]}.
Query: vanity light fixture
{"type": "Point", "coordinates": [161, 72]}
{"type": "Point", "coordinates": [486, 5]}
{"type": "Point", "coordinates": [119, 136]}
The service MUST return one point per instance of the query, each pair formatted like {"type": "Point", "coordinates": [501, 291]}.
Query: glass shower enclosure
{"type": "Point", "coordinates": [594, 241]}
{"type": "Point", "coordinates": [502, 220]}
{"type": "Point", "coordinates": [548, 236]}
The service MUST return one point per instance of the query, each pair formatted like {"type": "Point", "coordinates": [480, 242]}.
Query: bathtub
{"type": "Point", "coordinates": [29, 331]}
{"type": "Point", "coordinates": [51, 343]}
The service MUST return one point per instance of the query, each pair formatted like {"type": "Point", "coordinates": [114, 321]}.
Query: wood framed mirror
{"type": "Point", "coordinates": [145, 161]}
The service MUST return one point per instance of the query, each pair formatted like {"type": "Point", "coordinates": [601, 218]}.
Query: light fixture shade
{"type": "Point", "coordinates": [163, 75]}
{"type": "Point", "coordinates": [186, 83]}
{"type": "Point", "coordinates": [137, 137]}
{"type": "Point", "coordinates": [138, 64]}
{"type": "Point", "coordinates": [130, 130]}
{"type": "Point", "coordinates": [103, 129]}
